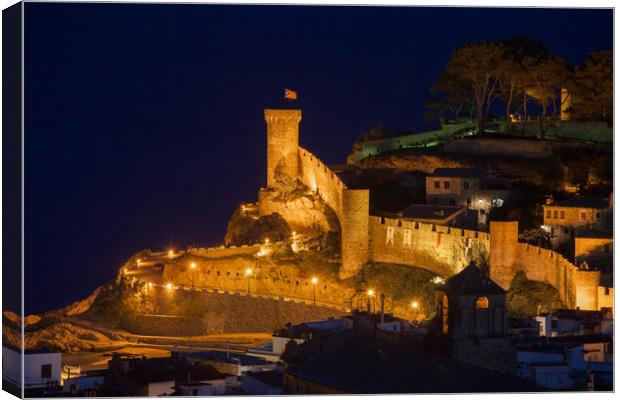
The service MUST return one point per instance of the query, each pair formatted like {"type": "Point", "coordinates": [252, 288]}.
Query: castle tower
{"type": "Point", "coordinates": [504, 240]}
{"type": "Point", "coordinates": [354, 231]}
{"type": "Point", "coordinates": [282, 143]}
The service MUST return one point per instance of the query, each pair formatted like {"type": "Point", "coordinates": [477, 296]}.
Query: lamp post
{"type": "Point", "coordinates": [192, 266]}
{"type": "Point", "coordinates": [371, 297]}
{"type": "Point", "coordinates": [314, 281]}
{"type": "Point", "coordinates": [415, 306]}
{"type": "Point", "coordinates": [248, 273]}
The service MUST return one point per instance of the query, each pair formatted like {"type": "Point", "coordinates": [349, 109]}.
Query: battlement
{"type": "Point", "coordinates": [321, 166]}
{"type": "Point", "coordinates": [276, 116]}
{"type": "Point", "coordinates": [428, 227]}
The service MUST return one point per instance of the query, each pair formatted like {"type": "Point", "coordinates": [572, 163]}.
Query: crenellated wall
{"type": "Point", "coordinates": [439, 249]}
{"type": "Point", "coordinates": [322, 180]}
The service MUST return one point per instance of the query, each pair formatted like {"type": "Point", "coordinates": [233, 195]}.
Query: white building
{"type": "Point", "coordinates": [41, 368]}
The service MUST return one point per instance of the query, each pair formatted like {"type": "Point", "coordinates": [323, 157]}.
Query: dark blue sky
{"type": "Point", "coordinates": [144, 123]}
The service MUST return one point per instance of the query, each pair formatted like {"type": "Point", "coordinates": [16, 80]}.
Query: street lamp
{"type": "Point", "coordinates": [314, 281]}
{"type": "Point", "coordinates": [169, 286]}
{"type": "Point", "coordinates": [170, 252]}
{"type": "Point", "coordinates": [371, 297]}
{"type": "Point", "coordinates": [193, 267]}
{"type": "Point", "coordinates": [415, 306]}
{"type": "Point", "coordinates": [267, 241]}
{"type": "Point", "coordinates": [248, 273]}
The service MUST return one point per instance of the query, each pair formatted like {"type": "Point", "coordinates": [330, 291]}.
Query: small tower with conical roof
{"type": "Point", "coordinates": [472, 311]}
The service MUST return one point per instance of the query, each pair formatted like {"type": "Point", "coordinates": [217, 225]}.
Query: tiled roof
{"type": "Point", "coordinates": [270, 378]}
{"type": "Point", "coordinates": [583, 202]}
{"type": "Point", "coordinates": [430, 211]}
{"type": "Point", "coordinates": [457, 173]}
{"type": "Point", "coordinates": [472, 281]}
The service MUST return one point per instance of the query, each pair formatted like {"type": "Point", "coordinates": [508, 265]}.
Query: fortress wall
{"type": "Point", "coordinates": [440, 249]}
{"type": "Point", "coordinates": [354, 231]}
{"type": "Point", "coordinates": [548, 266]}
{"type": "Point", "coordinates": [318, 177]}
{"type": "Point", "coordinates": [222, 251]}
{"type": "Point", "coordinates": [268, 278]}
{"type": "Point", "coordinates": [586, 283]}
{"type": "Point", "coordinates": [245, 314]}
{"type": "Point", "coordinates": [583, 246]}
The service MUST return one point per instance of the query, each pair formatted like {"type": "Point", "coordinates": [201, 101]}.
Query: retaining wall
{"type": "Point", "coordinates": [230, 313]}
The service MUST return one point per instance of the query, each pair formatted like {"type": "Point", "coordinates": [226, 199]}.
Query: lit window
{"type": "Point", "coordinates": [548, 213]}
{"type": "Point", "coordinates": [482, 302]}
{"type": "Point", "coordinates": [582, 215]}
{"type": "Point", "coordinates": [555, 214]}
{"type": "Point", "coordinates": [562, 215]}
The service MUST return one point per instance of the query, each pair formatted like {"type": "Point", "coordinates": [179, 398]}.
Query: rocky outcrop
{"type": "Point", "coordinates": [246, 227]}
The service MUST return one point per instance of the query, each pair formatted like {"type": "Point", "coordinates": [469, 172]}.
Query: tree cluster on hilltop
{"type": "Point", "coordinates": [517, 72]}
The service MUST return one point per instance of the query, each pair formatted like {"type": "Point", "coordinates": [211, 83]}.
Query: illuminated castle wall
{"type": "Point", "coordinates": [439, 249]}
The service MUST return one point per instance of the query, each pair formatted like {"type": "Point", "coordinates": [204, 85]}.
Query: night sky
{"type": "Point", "coordinates": [144, 125]}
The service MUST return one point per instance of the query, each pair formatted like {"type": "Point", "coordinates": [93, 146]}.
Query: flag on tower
{"type": "Point", "coordinates": [290, 94]}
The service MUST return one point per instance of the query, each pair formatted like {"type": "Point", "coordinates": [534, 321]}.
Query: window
{"type": "Point", "coordinates": [555, 214]}
{"type": "Point", "coordinates": [482, 302]}
{"type": "Point", "coordinates": [548, 213]}
{"type": "Point", "coordinates": [598, 216]}
{"type": "Point", "coordinates": [562, 215]}
{"type": "Point", "coordinates": [466, 185]}
{"type": "Point", "coordinates": [436, 184]}
{"type": "Point", "coordinates": [582, 215]}
{"type": "Point", "coordinates": [46, 371]}
{"type": "Point", "coordinates": [469, 201]}
{"type": "Point", "coordinates": [446, 185]}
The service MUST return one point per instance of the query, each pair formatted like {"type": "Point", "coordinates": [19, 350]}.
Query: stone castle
{"type": "Point", "coordinates": [439, 249]}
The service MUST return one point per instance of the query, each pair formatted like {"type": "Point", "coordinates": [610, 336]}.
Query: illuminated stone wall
{"type": "Point", "coordinates": [319, 178]}
{"type": "Point", "coordinates": [585, 246]}
{"type": "Point", "coordinates": [354, 223]}
{"type": "Point", "coordinates": [439, 249]}
{"type": "Point", "coordinates": [284, 279]}
{"type": "Point", "coordinates": [504, 236]}
{"type": "Point", "coordinates": [244, 314]}
{"type": "Point", "coordinates": [586, 284]}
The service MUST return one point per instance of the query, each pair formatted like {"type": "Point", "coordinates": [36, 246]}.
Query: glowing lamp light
{"type": "Point", "coordinates": [414, 304]}
{"type": "Point", "coordinates": [125, 270]}
{"type": "Point", "coordinates": [267, 241]}
{"type": "Point", "coordinates": [170, 253]}
{"type": "Point", "coordinates": [169, 286]}
{"type": "Point", "coordinates": [150, 284]}
{"type": "Point", "coordinates": [248, 271]}
{"type": "Point", "coordinates": [314, 280]}
{"type": "Point", "coordinates": [370, 292]}
{"type": "Point", "coordinates": [192, 265]}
